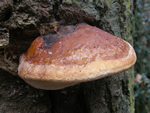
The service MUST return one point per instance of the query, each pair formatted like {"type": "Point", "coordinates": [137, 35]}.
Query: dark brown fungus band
{"type": "Point", "coordinates": [78, 54]}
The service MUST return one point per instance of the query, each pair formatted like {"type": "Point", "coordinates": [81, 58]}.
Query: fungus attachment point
{"type": "Point", "coordinates": [85, 53]}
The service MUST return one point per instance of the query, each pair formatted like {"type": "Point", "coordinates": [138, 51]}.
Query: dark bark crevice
{"type": "Point", "coordinates": [66, 100]}
{"type": "Point", "coordinates": [108, 98]}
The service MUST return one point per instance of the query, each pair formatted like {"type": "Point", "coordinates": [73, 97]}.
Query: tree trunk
{"type": "Point", "coordinates": [21, 21]}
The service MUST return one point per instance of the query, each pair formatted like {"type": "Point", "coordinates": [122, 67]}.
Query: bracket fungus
{"type": "Point", "coordinates": [78, 54]}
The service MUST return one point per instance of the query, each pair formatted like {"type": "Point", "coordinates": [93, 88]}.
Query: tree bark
{"type": "Point", "coordinates": [21, 21]}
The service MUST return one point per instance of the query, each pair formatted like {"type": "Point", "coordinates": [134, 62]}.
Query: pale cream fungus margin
{"type": "Point", "coordinates": [105, 56]}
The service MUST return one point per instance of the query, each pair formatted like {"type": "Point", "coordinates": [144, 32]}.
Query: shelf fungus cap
{"type": "Point", "coordinates": [78, 54]}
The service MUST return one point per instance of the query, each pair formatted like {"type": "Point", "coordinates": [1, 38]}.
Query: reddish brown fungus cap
{"type": "Point", "coordinates": [78, 54]}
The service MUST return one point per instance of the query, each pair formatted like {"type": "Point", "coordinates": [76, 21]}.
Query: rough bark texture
{"type": "Point", "coordinates": [21, 21]}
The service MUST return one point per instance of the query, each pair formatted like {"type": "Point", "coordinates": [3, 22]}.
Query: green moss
{"type": "Point", "coordinates": [109, 2]}
{"type": "Point", "coordinates": [67, 1]}
{"type": "Point", "coordinates": [130, 86]}
{"type": "Point", "coordinates": [128, 14]}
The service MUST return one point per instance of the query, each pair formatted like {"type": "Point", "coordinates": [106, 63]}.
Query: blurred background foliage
{"type": "Point", "coordinates": [141, 35]}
